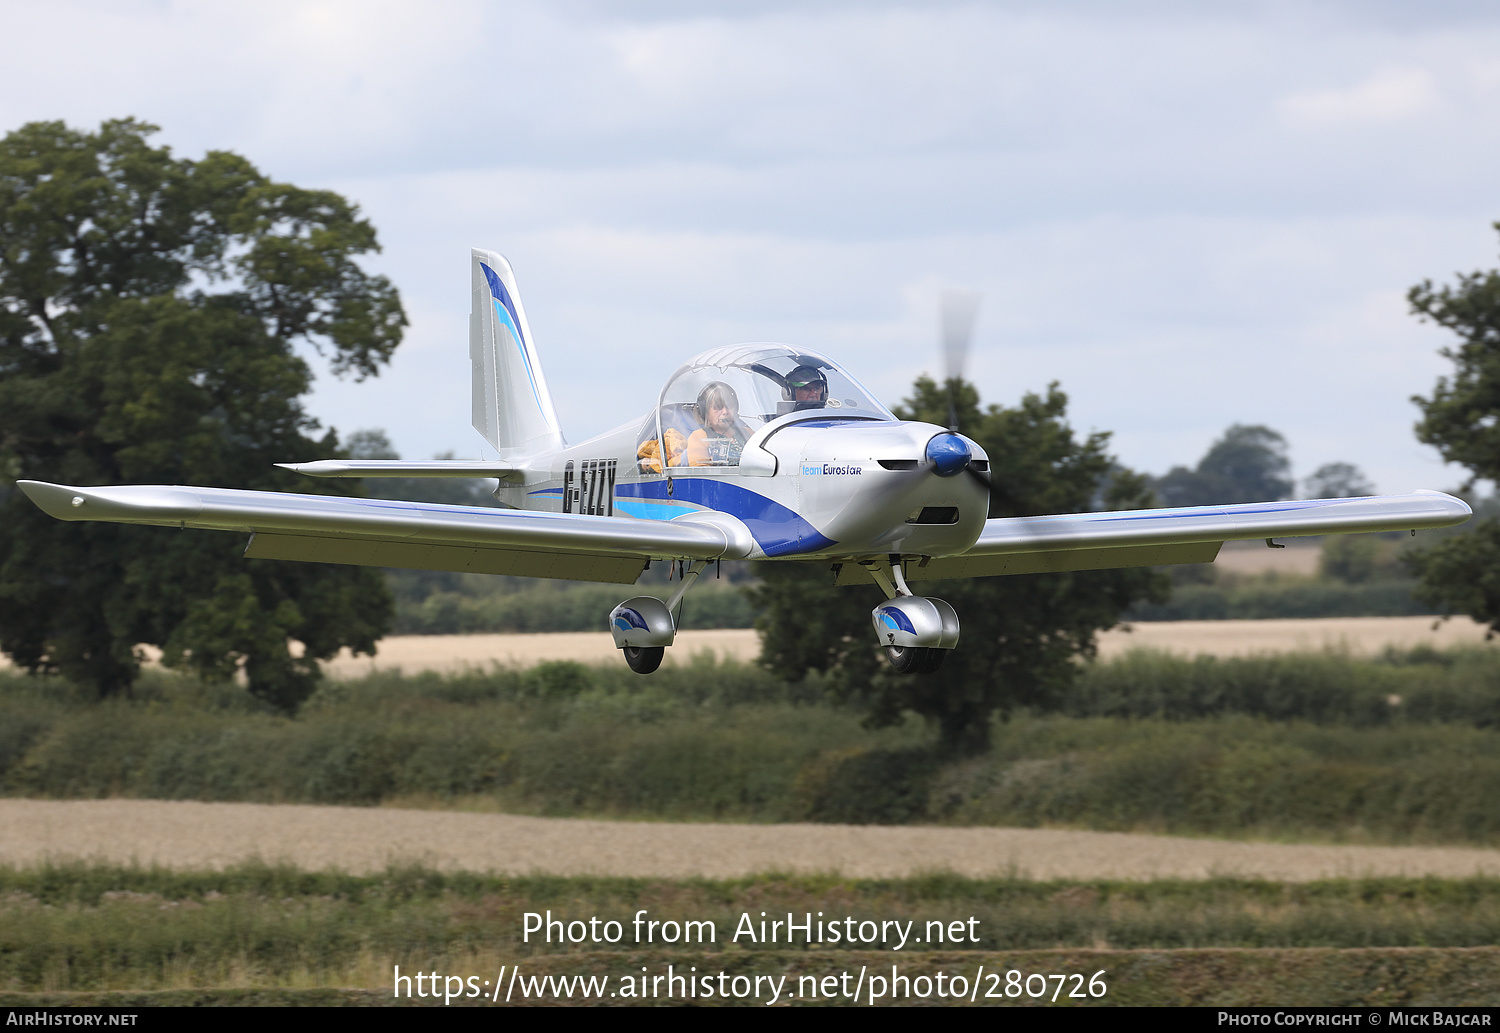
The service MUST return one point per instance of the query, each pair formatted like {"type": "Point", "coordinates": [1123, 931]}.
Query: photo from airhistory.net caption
{"type": "Point", "coordinates": [806, 930]}
{"type": "Point", "coordinates": [952, 982]}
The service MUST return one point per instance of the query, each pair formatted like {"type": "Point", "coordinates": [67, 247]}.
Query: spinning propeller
{"type": "Point", "coordinates": [959, 308]}
{"type": "Point", "coordinates": [947, 452]}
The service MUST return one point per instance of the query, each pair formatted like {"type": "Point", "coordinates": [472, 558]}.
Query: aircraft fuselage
{"type": "Point", "coordinates": [809, 485]}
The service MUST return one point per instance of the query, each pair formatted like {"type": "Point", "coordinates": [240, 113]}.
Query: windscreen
{"type": "Point", "coordinates": [712, 406]}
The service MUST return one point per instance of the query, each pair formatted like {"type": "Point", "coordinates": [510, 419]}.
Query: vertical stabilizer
{"type": "Point", "coordinates": [512, 406]}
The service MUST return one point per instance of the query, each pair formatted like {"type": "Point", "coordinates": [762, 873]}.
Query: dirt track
{"type": "Point", "coordinates": [200, 835]}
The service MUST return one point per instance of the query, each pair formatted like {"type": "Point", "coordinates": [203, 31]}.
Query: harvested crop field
{"type": "Point", "coordinates": [190, 835]}
{"type": "Point", "coordinates": [1356, 635]}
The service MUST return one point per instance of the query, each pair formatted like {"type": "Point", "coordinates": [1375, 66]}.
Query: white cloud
{"type": "Point", "coordinates": [1389, 96]}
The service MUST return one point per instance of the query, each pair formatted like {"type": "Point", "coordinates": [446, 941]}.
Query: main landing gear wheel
{"type": "Point", "coordinates": [644, 659]}
{"type": "Point", "coordinates": [915, 659]}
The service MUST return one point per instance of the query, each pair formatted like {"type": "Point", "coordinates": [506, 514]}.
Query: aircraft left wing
{"type": "Point", "coordinates": [421, 535]}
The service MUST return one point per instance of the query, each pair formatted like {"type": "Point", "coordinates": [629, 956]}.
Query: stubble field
{"type": "Point", "coordinates": [1358, 636]}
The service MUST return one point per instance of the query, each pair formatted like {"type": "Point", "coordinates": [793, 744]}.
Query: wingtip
{"type": "Point", "coordinates": [56, 500]}
{"type": "Point", "coordinates": [1461, 509]}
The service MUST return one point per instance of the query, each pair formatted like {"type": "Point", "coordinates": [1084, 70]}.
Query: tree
{"type": "Point", "coordinates": [1247, 464]}
{"type": "Point", "coordinates": [1338, 481]}
{"type": "Point", "coordinates": [1020, 635]}
{"type": "Point", "coordinates": [1461, 573]}
{"type": "Point", "coordinates": [149, 310]}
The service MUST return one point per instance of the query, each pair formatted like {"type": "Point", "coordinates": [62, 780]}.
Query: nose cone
{"type": "Point", "coordinates": [948, 453]}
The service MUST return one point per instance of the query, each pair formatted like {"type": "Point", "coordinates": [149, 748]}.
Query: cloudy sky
{"type": "Point", "coordinates": [1188, 219]}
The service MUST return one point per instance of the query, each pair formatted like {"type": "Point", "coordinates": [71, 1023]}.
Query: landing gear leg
{"type": "Point", "coordinates": [917, 632]}
{"type": "Point", "coordinates": [643, 627]}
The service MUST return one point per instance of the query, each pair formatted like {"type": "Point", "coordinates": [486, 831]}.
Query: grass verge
{"type": "Point", "coordinates": [96, 929]}
{"type": "Point", "coordinates": [1376, 977]}
{"type": "Point", "coordinates": [100, 936]}
{"type": "Point", "coordinates": [1402, 749]}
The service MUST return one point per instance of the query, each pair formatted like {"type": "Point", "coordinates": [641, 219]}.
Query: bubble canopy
{"type": "Point", "coordinates": [715, 401]}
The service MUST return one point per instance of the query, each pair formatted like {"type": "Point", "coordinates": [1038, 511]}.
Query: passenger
{"type": "Point", "coordinates": [722, 437]}
{"type": "Point", "coordinates": [809, 388]}
{"type": "Point", "coordinates": [648, 457]}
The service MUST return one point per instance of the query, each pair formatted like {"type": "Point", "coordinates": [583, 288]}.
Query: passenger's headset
{"type": "Point", "coordinates": [700, 407]}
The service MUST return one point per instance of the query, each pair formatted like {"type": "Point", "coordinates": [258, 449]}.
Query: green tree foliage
{"type": "Point", "coordinates": [1338, 481]}
{"type": "Point", "coordinates": [1350, 558]}
{"type": "Point", "coordinates": [1461, 573]}
{"type": "Point", "coordinates": [1462, 418]}
{"type": "Point", "coordinates": [1247, 464]}
{"type": "Point", "coordinates": [1020, 634]}
{"type": "Point", "coordinates": [149, 310]}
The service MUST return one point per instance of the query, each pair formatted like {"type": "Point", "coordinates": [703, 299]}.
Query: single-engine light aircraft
{"type": "Point", "coordinates": [755, 451]}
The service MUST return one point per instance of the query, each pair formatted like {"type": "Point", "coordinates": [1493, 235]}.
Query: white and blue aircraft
{"type": "Point", "coordinates": [751, 452]}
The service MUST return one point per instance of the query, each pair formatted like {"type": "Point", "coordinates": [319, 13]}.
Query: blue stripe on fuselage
{"type": "Point", "coordinates": [777, 530]}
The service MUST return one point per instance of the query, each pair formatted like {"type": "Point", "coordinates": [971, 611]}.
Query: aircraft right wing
{"type": "Point", "coordinates": [1152, 537]}
{"type": "Point", "coordinates": [1156, 537]}
{"type": "Point", "coordinates": [420, 535]}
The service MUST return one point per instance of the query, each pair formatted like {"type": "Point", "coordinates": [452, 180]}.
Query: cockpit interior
{"type": "Point", "coordinates": [713, 404]}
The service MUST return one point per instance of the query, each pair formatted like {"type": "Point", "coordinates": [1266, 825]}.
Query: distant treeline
{"type": "Point", "coordinates": [558, 606]}
{"type": "Point", "coordinates": [1283, 597]}
{"type": "Point", "coordinates": [1401, 749]}
{"type": "Point", "coordinates": [554, 606]}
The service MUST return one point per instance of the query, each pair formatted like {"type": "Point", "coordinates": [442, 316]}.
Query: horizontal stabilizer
{"type": "Point", "coordinates": [404, 468]}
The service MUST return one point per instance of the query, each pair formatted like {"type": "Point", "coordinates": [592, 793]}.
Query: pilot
{"type": "Point", "coordinates": [721, 439]}
{"type": "Point", "coordinates": [808, 386]}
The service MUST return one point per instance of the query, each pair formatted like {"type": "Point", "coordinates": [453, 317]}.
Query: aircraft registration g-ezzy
{"type": "Point", "coordinates": [751, 452]}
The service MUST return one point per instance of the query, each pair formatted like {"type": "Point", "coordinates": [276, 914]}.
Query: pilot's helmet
{"type": "Point", "coordinates": [716, 393]}
{"type": "Point", "coordinates": [807, 387]}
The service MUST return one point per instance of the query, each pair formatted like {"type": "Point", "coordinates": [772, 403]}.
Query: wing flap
{"type": "Point", "coordinates": [225, 509]}
{"type": "Point", "coordinates": [367, 552]}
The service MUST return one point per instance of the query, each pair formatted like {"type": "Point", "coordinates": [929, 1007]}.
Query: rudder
{"type": "Point", "coordinates": [512, 406]}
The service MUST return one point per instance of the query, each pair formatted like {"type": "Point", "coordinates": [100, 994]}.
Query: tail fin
{"type": "Point", "coordinates": [512, 406]}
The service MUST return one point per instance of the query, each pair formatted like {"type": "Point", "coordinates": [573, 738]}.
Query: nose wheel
{"type": "Point", "coordinates": [644, 659]}
{"type": "Point", "coordinates": [915, 659]}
